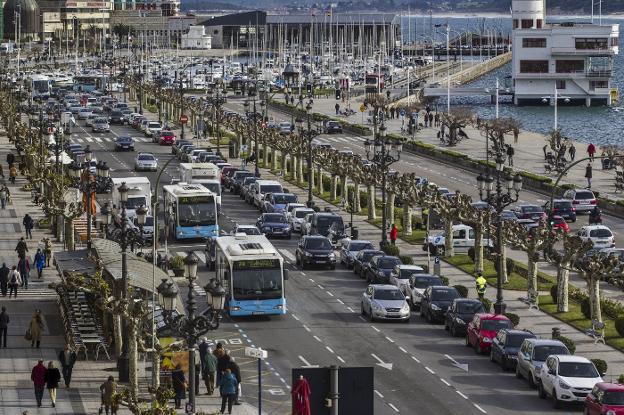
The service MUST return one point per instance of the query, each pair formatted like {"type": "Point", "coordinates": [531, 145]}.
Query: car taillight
{"type": "Point", "coordinates": [573, 209]}
{"type": "Point", "coordinates": [593, 202]}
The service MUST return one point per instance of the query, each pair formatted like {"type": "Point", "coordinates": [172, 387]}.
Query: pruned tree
{"type": "Point", "coordinates": [455, 120]}
{"type": "Point", "coordinates": [594, 268]}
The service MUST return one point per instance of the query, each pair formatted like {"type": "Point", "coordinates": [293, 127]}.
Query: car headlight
{"type": "Point", "coordinates": [265, 229]}
{"type": "Point", "coordinates": [308, 254]}
{"type": "Point", "coordinates": [610, 412]}
{"type": "Point", "coordinates": [486, 340]}
{"type": "Point", "coordinates": [563, 385]}
{"type": "Point", "coordinates": [377, 307]}
{"type": "Point", "coordinates": [332, 256]}
{"type": "Point", "coordinates": [435, 307]}
{"type": "Point", "coordinates": [459, 321]}
{"type": "Point", "coordinates": [405, 308]}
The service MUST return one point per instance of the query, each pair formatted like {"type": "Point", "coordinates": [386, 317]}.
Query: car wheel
{"type": "Point", "coordinates": [491, 356]}
{"type": "Point", "coordinates": [452, 330]}
{"type": "Point", "coordinates": [477, 348]}
{"type": "Point", "coordinates": [518, 374]}
{"type": "Point", "coordinates": [540, 391]}
{"type": "Point", "coordinates": [467, 341]}
{"type": "Point", "coordinates": [504, 364]}
{"type": "Point", "coordinates": [446, 326]}
{"type": "Point", "coordinates": [556, 401]}
{"type": "Point", "coordinates": [362, 312]}
{"type": "Point", "coordinates": [422, 312]}
{"type": "Point", "coordinates": [333, 267]}
{"type": "Point", "coordinates": [407, 320]}
{"type": "Point", "coordinates": [371, 318]}
{"type": "Point", "coordinates": [531, 380]}
{"type": "Point", "coordinates": [429, 317]}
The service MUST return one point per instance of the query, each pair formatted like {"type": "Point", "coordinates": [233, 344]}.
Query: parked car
{"type": "Point", "coordinates": [605, 398]}
{"type": "Point", "coordinates": [460, 313]}
{"type": "Point", "coordinates": [90, 119]}
{"type": "Point", "coordinates": [509, 215]}
{"type": "Point", "coordinates": [116, 117]}
{"type": "Point", "coordinates": [435, 302]}
{"type": "Point", "coordinates": [333, 127]}
{"type": "Point", "coordinates": [246, 229]}
{"type": "Point", "coordinates": [384, 302]}
{"type": "Point", "coordinates": [274, 224]}
{"type": "Point", "coordinates": [100, 125]}
{"type": "Point", "coordinates": [84, 113]}
{"type": "Point", "coordinates": [285, 128]}
{"type": "Point", "coordinates": [483, 328]}
{"type": "Point", "coordinates": [379, 269]}
{"type": "Point", "coordinates": [532, 212]}
{"type": "Point", "coordinates": [506, 345]}
{"type": "Point", "coordinates": [245, 187]}
{"type": "Point", "coordinates": [124, 143]}
{"type": "Point", "coordinates": [400, 276]}
{"type": "Point", "coordinates": [600, 235]}
{"type": "Point", "coordinates": [315, 250]}
{"type": "Point", "coordinates": [236, 183]}
{"type": "Point", "coordinates": [566, 378]}
{"type": "Point", "coordinates": [145, 161]}
{"type": "Point", "coordinates": [166, 138]}
{"type": "Point", "coordinates": [583, 200]}
{"type": "Point", "coordinates": [328, 224]}
{"type": "Point", "coordinates": [560, 223]}
{"type": "Point", "coordinates": [533, 354]}
{"type": "Point", "coordinates": [565, 209]}
{"type": "Point", "coordinates": [177, 145]}
{"type": "Point", "coordinates": [417, 286]}
{"type": "Point", "coordinates": [349, 249]}
{"type": "Point", "coordinates": [276, 202]}
{"type": "Point", "coordinates": [362, 260]}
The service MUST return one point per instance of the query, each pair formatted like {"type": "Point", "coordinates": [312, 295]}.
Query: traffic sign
{"type": "Point", "coordinates": [362, 108]}
{"type": "Point", "coordinates": [183, 119]}
{"type": "Point", "coordinates": [402, 113]}
{"type": "Point", "coordinates": [256, 352]}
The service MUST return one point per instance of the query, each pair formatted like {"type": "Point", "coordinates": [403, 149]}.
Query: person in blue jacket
{"type": "Point", "coordinates": [228, 387]}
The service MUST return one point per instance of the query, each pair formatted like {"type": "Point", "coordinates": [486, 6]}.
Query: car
{"type": "Point", "coordinates": [349, 249]}
{"type": "Point", "coordinates": [483, 328]}
{"type": "Point", "coordinates": [418, 284]}
{"type": "Point", "coordinates": [153, 129]}
{"type": "Point", "coordinates": [117, 118]}
{"type": "Point", "coordinates": [245, 186]}
{"type": "Point", "coordinates": [236, 182]}
{"type": "Point", "coordinates": [379, 269]}
{"type": "Point", "coordinates": [566, 378]}
{"type": "Point", "coordinates": [527, 223]}
{"type": "Point", "coordinates": [533, 212]}
{"type": "Point", "coordinates": [276, 202]}
{"type": "Point", "coordinates": [136, 121]}
{"type": "Point", "coordinates": [226, 173]}
{"type": "Point", "coordinates": [145, 161]}
{"type": "Point", "coordinates": [533, 354]}
{"type": "Point", "coordinates": [84, 113]}
{"type": "Point", "coordinates": [333, 127]}
{"type": "Point", "coordinates": [147, 229]}
{"type": "Point", "coordinates": [75, 109]}
{"type": "Point", "coordinates": [505, 346]}
{"type": "Point", "coordinates": [400, 276]}
{"type": "Point", "coordinates": [384, 302]}
{"type": "Point", "coordinates": [90, 119]}
{"type": "Point", "coordinates": [583, 200]}
{"type": "Point", "coordinates": [184, 150]}
{"type": "Point", "coordinates": [100, 125]}
{"type": "Point", "coordinates": [249, 189]}
{"type": "Point", "coordinates": [560, 223]}
{"type": "Point", "coordinates": [285, 128]}
{"type": "Point", "coordinates": [274, 224]}
{"type": "Point", "coordinates": [315, 250]}
{"type": "Point", "coordinates": [460, 313]}
{"type": "Point", "coordinates": [296, 216]}
{"type": "Point", "coordinates": [142, 126]}
{"type": "Point", "coordinates": [194, 155]}
{"type": "Point", "coordinates": [600, 235]}
{"type": "Point", "coordinates": [362, 259]}
{"type": "Point", "coordinates": [605, 398]}
{"type": "Point", "coordinates": [564, 208]}
{"type": "Point", "coordinates": [166, 138]}
{"type": "Point", "coordinates": [291, 206]}
{"type": "Point", "coordinates": [177, 145]}
{"type": "Point", "coordinates": [124, 143]}
{"type": "Point", "coordinates": [435, 302]}
{"type": "Point", "coordinates": [246, 229]}
{"type": "Point", "coordinates": [327, 224]}
{"type": "Point", "coordinates": [509, 215]}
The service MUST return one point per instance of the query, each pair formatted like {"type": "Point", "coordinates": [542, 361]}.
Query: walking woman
{"type": "Point", "coordinates": [52, 378]}
{"type": "Point", "coordinates": [36, 328]}
{"type": "Point", "coordinates": [228, 387]}
{"type": "Point", "coordinates": [179, 385]}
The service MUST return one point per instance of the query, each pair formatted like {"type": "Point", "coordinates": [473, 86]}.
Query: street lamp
{"type": "Point", "coordinates": [217, 96]}
{"type": "Point", "coordinates": [308, 134]}
{"type": "Point", "coordinates": [190, 326]}
{"type": "Point", "coordinates": [555, 98]}
{"type": "Point", "coordinates": [252, 97]}
{"type": "Point", "coordinates": [499, 195]}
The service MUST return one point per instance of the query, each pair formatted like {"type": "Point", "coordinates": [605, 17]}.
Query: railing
{"type": "Point", "coordinates": [584, 52]}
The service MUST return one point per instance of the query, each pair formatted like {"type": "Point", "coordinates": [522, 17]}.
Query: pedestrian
{"type": "Point", "coordinates": [426, 119]}
{"type": "Point", "coordinates": [591, 150]}
{"type": "Point", "coordinates": [15, 280]}
{"type": "Point", "coordinates": [227, 388]}
{"type": "Point", "coordinates": [510, 154]}
{"type": "Point", "coordinates": [394, 233]}
{"type": "Point", "coordinates": [179, 385]}
{"type": "Point", "coordinates": [47, 250]}
{"type": "Point", "coordinates": [12, 173]}
{"type": "Point", "coordinates": [4, 279]}
{"type": "Point", "coordinates": [108, 390]}
{"type": "Point", "coordinates": [23, 265]}
{"type": "Point", "coordinates": [37, 375]}
{"type": "Point", "coordinates": [21, 248]}
{"type": "Point", "coordinates": [588, 174]}
{"type": "Point", "coordinates": [544, 150]}
{"type": "Point", "coordinates": [437, 120]}
{"type": "Point", "coordinates": [52, 378]}
{"type": "Point", "coordinates": [67, 357]}
{"type": "Point", "coordinates": [292, 100]}
{"type": "Point", "coordinates": [337, 106]}
{"type": "Point", "coordinates": [516, 134]}
{"type": "Point", "coordinates": [4, 326]}
{"type": "Point", "coordinates": [209, 368]}
{"type": "Point", "coordinates": [481, 284]}
{"type": "Point", "coordinates": [430, 119]}
{"type": "Point", "coordinates": [203, 348]}
{"type": "Point", "coordinates": [235, 369]}
{"type": "Point", "coordinates": [39, 262]}
{"type": "Point", "coordinates": [3, 197]}
{"type": "Point", "coordinates": [572, 151]}
{"type": "Point", "coordinates": [198, 369]}
{"type": "Point", "coordinates": [28, 223]}
{"type": "Point", "coordinates": [36, 327]}
{"type": "Point", "coordinates": [392, 110]}
{"type": "Point", "coordinates": [10, 158]}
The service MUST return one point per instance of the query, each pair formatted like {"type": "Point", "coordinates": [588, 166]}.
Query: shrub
{"type": "Point", "coordinates": [425, 267]}
{"type": "Point", "coordinates": [390, 249]}
{"type": "Point", "coordinates": [487, 305]}
{"type": "Point", "coordinates": [471, 253]}
{"type": "Point", "coordinates": [554, 293]}
{"type": "Point", "coordinates": [406, 259]}
{"type": "Point", "coordinates": [445, 280]}
{"type": "Point", "coordinates": [568, 343]}
{"type": "Point", "coordinates": [619, 325]}
{"type": "Point", "coordinates": [515, 319]}
{"type": "Point", "coordinates": [601, 365]}
{"type": "Point", "coordinates": [511, 265]}
{"type": "Point", "coordinates": [621, 379]}
{"type": "Point", "coordinates": [586, 307]}
{"type": "Point", "coordinates": [462, 290]}
{"type": "Point", "coordinates": [177, 262]}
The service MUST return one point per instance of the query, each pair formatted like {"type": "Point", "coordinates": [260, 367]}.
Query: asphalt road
{"type": "Point", "coordinates": [324, 325]}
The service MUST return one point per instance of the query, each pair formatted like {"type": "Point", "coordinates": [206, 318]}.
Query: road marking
{"type": "Point", "coordinates": [461, 394]}
{"type": "Point", "coordinates": [307, 328]}
{"type": "Point", "coordinates": [402, 349]}
{"type": "Point", "coordinates": [330, 294]}
{"type": "Point", "coordinates": [429, 370]}
{"type": "Point", "coordinates": [375, 328]}
{"type": "Point", "coordinates": [201, 255]}
{"type": "Point", "coordinates": [295, 317]}
{"type": "Point", "coordinates": [340, 301]}
{"type": "Point", "coordinates": [385, 365]}
{"type": "Point", "coordinates": [311, 280]}
{"type": "Point", "coordinates": [351, 310]}
{"type": "Point", "coordinates": [479, 408]}
{"type": "Point", "coordinates": [415, 359]}
{"type": "Point", "coordinates": [320, 286]}
{"type": "Point", "coordinates": [445, 382]}
{"type": "Point", "coordinates": [287, 254]}
{"type": "Point", "coordinates": [341, 359]}
{"type": "Point", "coordinates": [389, 339]}
{"type": "Point", "coordinates": [362, 318]}
{"type": "Point", "coordinates": [393, 407]}
{"type": "Point", "coordinates": [306, 363]}
{"type": "Point", "coordinates": [318, 339]}
{"type": "Point", "coordinates": [378, 393]}
{"type": "Point", "coordinates": [329, 349]}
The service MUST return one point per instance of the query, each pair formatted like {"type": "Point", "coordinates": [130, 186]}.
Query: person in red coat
{"type": "Point", "coordinates": [38, 378]}
{"type": "Point", "coordinates": [394, 234]}
{"type": "Point", "coordinates": [591, 150]}
{"type": "Point", "coordinates": [301, 397]}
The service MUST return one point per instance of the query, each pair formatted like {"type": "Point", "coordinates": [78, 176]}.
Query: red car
{"type": "Point", "coordinates": [560, 223]}
{"type": "Point", "coordinates": [482, 330]}
{"type": "Point", "coordinates": [167, 138]}
{"type": "Point", "coordinates": [605, 398]}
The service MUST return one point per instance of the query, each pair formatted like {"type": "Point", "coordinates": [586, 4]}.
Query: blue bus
{"type": "Point", "coordinates": [190, 211]}
{"type": "Point", "coordinates": [252, 271]}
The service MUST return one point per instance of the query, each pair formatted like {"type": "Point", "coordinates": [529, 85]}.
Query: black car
{"type": "Point", "coordinates": [245, 185]}
{"type": "Point", "coordinates": [117, 117]}
{"type": "Point", "coordinates": [380, 268]}
{"type": "Point", "coordinates": [328, 224]}
{"type": "Point", "coordinates": [177, 145]}
{"type": "Point", "coordinates": [460, 313]}
{"type": "Point", "coordinates": [236, 181]}
{"type": "Point", "coordinates": [565, 209]}
{"type": "Point", "coordinates": [124, 143]}
{"type": "Point", "coordinates": [333, 127]}
{"type": "Point", "coordinates": [360, 263]}
{"type": "Point", "coordinates": [506, 345]}
{"type": "Point", "coordinates": [532, 212]}
{"type": "Point", "coordinates": [315, 250]}
{"type": "Point", "coordinates": [435, 301]}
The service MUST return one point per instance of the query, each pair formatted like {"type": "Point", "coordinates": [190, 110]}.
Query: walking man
{"type": "Point", "coordinates": [337, 106]}
{"type": "Point", "coordinates": [37, 375]}
{"type": "Point", "coordinates": [47, 250]}
{"type": "Point", "coordinates": [4, 325]}
{"type": "Point", "coordinates": [23, 266]}
{"type": "Point", "coordinates": [36, 327]}
{"type": "Point", "coordinates": [3, 197]}
{"type": "Point", "coordinates": [228, 387]}
{"type": "Point", "coordinates": [588, 174]}
{"type": "Point", "coordinates": [67, 357]}
{"type": "Point", "coordinates": [481, 284]}
{"type": "Point", "coordinates": [39, 262]}
{"type": "Point", "coordinates": [15, 280]}
{"type": "Point", "coordinates": [591, 150]}
{"type": "Point", "coordinates": [209, 368]}
{"type": "Point", "coordinates": [21, 248]}
{"type": "Point", "coordinates": [510, 154]}
{"type": "Point", "coordinates": [10, 158]}
{"type": "Point", "coordinates": [233, 366]}
{"type": "Point", "coordinates": [4, 279]}
{"type": "Point", "coordinates": [431, 119]}
{"type": "Point", "coordinates": [572, 151]}
{"type": "Point", "coordinates": [108, 389]}
{"type": "Point", "coordinates": [28, 225]}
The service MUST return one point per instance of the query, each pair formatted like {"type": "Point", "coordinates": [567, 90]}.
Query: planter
{"type": "Point", "coordinates": [178, 272]}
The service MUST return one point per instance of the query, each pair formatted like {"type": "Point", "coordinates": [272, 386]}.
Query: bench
{"type": "Point", "coordinates": [597, 331]}
{"type": "Point", "coordinates": [532, 299]}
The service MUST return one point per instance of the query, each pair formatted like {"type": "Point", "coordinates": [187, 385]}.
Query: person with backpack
{"type": "Point", "coordinates": [29, 224]}
{"type": "Point", "coordinates": [15, 280]}
{"type": "Point", "coordinates": [21, 248]}
{"type": "Point", "coordinates": [39, 262]}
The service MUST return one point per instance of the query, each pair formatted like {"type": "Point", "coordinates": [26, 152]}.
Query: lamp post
{"type": "Point", "coordinates": [500, 198]}
{"type": "Point", "coordinates": [252, 97]}
{"type": "Point", "coordinates": [181, 106]}
{"type": "Point", "coordinates": [555, 98]}
{"type": "Point", "coordinates": [217, 97]}
{"type": "Point", "coordinates": [190, 326]}
{"type": "Point", "coordinates": [308, 134]}
{"type": "Point", "coordinates": [383, 153]}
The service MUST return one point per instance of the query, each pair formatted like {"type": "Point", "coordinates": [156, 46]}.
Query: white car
{"type": "Point", "coordinates": [583, 200]}
{"type": "Point", "coordinates": [145, 161]}
{"type": "Point", "coordinates": [284, 128]}
{"type": "Point", "coordinates": [297, 216]}
{"type": "Point", "coordinates": [400, 276]}
{"type": "Point", "coordinates": [153, 129]}
{"type": "Point", "coordinates": [567, 378]}
{"type": "Point", "coordinates": [418, 283]}
{"type": "Point", "coordinates": [600, 235]}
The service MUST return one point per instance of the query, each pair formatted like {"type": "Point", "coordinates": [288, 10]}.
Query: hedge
{"type": "Point", "coordinates": [569, 343]}
{"type": "Point", "coordinates": [462, 290]}
{"type": "Point", "coordinates": [515, 319]}
{"type": "Point", "coordinates": [601, 365]}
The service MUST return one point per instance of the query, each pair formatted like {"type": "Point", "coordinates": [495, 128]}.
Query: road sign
{"type": "Point", "coordinates": [256, 352]}
{"type": "Point", "coordinates": [402, 113]}
{"type": "Point", "coordinates": [183, 119]}
{"type": "Point", "coordinates": [436, 260]}
{"type": "Point", "coordinates": [437, 240]}
{"type": "Point", "coordinates": [362, 108]}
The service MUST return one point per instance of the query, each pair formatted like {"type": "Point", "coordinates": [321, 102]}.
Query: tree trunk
{"type": "Point", "coordinates": [505, 273]}
{"type": "Point", "coordinates": [69, 234]}
{"type": "Point", "coordinates": [532, 271]}
{"type": "Point", "coordinates": [563, 275]}
{"type": "Point", "coordinates": [334, 188]}
{"type": "Point", "coordinates": [390, 207]}
{"type": "Point", "coordinates": [372, 214]}
{"type": "Point", "coordinates": [284, 164]}
{"type": "Point", "coordinates": [265, 155]}
{"type": "Point", "coordinates": [343, 189]}
{"type": "Point", "coordinates": [593, 285]}
{"type": "Point", "coordinates": [319, 182]}
{"type": "Point", "coordinates": [478, 248]}
{"type": "Point", "coordinates": [294, 161]}
{"type": "Point", "coordinates": [133, 356]}
{"type": "Point", "coordinates": [300, 170]}
{"type": "Point", "coordinates": [407, 220]}
{"type": "Point", "coordinates": [357, 208]}
{"type": "Point", "coordinates": [117, 330]}
{"type": "Point", "coordinates": [449, 251]}
{"type": "Point", "coordinates": [155, 356]}
{"type": "Point", "coordinates": [274, 160]}
{"type": "Point", "coordinates": [311, 176]}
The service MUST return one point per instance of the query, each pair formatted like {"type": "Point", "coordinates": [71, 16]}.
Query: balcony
{"type": "Point", "coordinates": [582, 52]}
{"type": "Point", "coordinates": [590, 73]}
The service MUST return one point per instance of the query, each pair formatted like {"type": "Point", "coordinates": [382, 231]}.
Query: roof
{"type": "Point", "coordinates": [572, 358]}
{"type": "Point", "coordinates": [490, 316]}
{"type": "Point", "coordinates": [238, 19]}
{"type": "Point", "coordinates": [545, 342]}
{"type": "Point", "coordinates": [384, 287]}
{"type": "Point", "coordinates": [406, 266]}
{"type": "Point", "coordinates": [610, 386]}
{"type": "Point", "coordinates": [336, 18]}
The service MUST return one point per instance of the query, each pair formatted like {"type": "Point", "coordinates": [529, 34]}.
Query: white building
{"type": "Point", "coordinates": [575, 58]}
{"type": "Point", "coordinates": [196, 38]}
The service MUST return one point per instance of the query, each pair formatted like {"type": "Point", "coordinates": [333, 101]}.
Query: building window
{"type": "Point", "coordinates": [527, 23]}
{"type": "Point", "coordinates": [516, 23]}
{"type": "Point", "coordinates": [561, 84]}
{"type": "Point", "coordinates": [539, 23]}
{"type": "Point", "coordinates": [592, 43]}
{"type": "Point", "coordinates": [534, 42]}
{"type": "Point", "coordinates": [216, 32]}
{"type": "Point", "coordinates": [598, 84]}
{"type": "Point", "coordinates": [569, 66]}
{"type": "Point", "coordinates": [614, 41]}
{"type": "Point", "coordinates": [533, 66]}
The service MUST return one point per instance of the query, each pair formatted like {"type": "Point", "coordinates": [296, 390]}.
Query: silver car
{"type": "Point", "coordinates": [145, 161]}
{"type": "Point", "coordinates": [296, 216]}
{"type": "Point", "coordinates": [385, 302]}
{"type": "Point", "coordinates": [532, 355]}
{"type": "Point", "coordinates": [100, 125]}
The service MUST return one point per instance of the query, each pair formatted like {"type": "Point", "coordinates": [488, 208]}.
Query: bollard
{"type": "Point", "coordinates": [556, 332]}
{"type": "Point", "coordinates": [437, 267]}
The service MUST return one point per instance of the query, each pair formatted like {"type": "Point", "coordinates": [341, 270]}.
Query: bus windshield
{"type": "Point", "coordinates": [256, 283]}
{"type": "Point", "coordinates": [135, 202]}
{"type": "Point", "coordinates": [197, 214]}
{"type": "Point", "coordinates": [213, 187]}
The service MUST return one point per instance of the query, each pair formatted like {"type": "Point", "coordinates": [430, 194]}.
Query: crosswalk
{"type": "Point", "coordinates": [338, 139]}
{"type": "Point", "coordinates": [96, 139]}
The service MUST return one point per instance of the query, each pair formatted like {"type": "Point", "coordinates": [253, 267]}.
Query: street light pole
{"type": "Point", "coordinates": [308, 134]}
{"type": "Point", "coordinates": [555, 98]}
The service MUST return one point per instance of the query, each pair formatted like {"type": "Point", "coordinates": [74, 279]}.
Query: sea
{"type": "Point", "coordinates": [601, 125]}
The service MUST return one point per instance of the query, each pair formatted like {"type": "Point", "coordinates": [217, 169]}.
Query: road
{"type": "Point", "coordinates": [324, 326]}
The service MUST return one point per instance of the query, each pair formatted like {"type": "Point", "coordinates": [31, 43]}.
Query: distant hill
{"type": "Point", "coordinates": [187, 5]}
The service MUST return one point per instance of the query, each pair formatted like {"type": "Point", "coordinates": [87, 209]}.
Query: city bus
{"type": "Point", "coordinates": [90, 83]}
{"type": "Point", "coordinates": [252, 272]}
{"type": "Point", "coordinates": [39, 85]}
{"type": "Point", "coordinates": [190, 211]}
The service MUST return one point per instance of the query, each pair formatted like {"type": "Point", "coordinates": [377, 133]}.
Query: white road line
{"type": "Point", "coordinates": [311, 280]}
{"type": "Point", "coordinates": [350, 309]}
{"type": "Point", "coordinates": [415, 359]}
{"type": "Point", "coordinates": [461, 394]}
{"type": "Point", "coordinates": [320, 286]}
{"type": "Point", "coordinates": [445, 382]}
{"type": "Point", "coordinates": [378, 393]}
{"type": "Point", "coordinates": [479, 408]}
{"type": "Point", "coordinates": [375, 328]}
{"type": "Point", "coordinates": [389, 339]}
{"type": "Point", "coordinates": [89, 139]}
{"type": "Point", "coordinates": [307, 328]}
{"type": "Point", "coordinates": [340, 301]}
{"type": "Point", "coordinates": [341, 359]}
{"type": "Point", "coordinates": [295, 317]}
{"type": "Point", "coordinates": [330, 294]}
{"type": "Point", "coordinates": [402, 349]}
{"type": "Point", "coordinates": [305, 362]}
{"type": "Point", "coordinates": [201, 255]}
{"type": "Point", "coordinates": [329, 349]}
{"type": "Point", "coordinates": [393, 407]}
{"type": "Point", "coordinates": [429, 370]}
{"type": "Point", "coordinates": [362, 318]}
{"type": "Point", "coordinates": [318, 339]}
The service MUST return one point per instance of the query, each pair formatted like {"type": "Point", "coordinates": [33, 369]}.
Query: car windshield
{"type": "Point", "coordinates": [324, 222]}
{"type": "Point", "coordinates": [542, 352]}
{"type": "Point", "coordinates": [124, 139]}
{"type": "Point", "coordinates": [283, 199]}
{"type": "Point", "coordinates": [367, 256]}
{"type": "Point", "coordinates": [249, 230]}
{"type": "Point", "coordinates": [515, 340]}
{"type": "Point", "coordinates": [318, 243]}
{"type": "Point", "coordinates": [149, 221]}
{"type": "Point", "coordinates": [275, 218]}
{"type": "Point", "coordinates": [584, 195]}
{"type": "Point", "coordinates": [213, 187]}
{"type": "Point", "coordinates": [495, 325]}
{"type": "Point", "coordinates": [532, 209]}
{"type": "Point", "coordinates": [270, 188]}
{"type": "Point", "coordinates": [358, 246]}
{"type": "Point", "coordinates": [563, 205]}
{"type": "Point", "coordinates": [100, 121]}
{"type": "Point", "coordinates": [154, 125]}
{"type": "Point", "coordinates": [146, 157]}
{"type": "Point", "coordinates": [197, 213]}
{"type": "Point", "coordinates": [577, 370]}
{"type": "Point", "coordinates": [600, 233]}
{"type": "Point", "coordinates": [613, 398]}
{"type": "Point", "coordinates": [465, 307]}
{"type": "Point", "coordinates": [388, 295]}
{"type": "Point", "coordinates": [424, 282]}
{"type": "Point", "coordinates": [302, 213]}
{"type": "Point", "coordinates": [135, 202]}
{"type": "Point", "coordinates": [387, 263]}
{"type": "Point", "coordinates": [444, 295]}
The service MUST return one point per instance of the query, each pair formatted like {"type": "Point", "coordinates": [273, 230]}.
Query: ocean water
{"type": "Point", "coordinates": [600, 125]}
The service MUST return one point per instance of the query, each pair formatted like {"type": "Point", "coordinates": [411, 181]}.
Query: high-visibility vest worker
{"type": "Point", "coordinates": [481, 285]}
